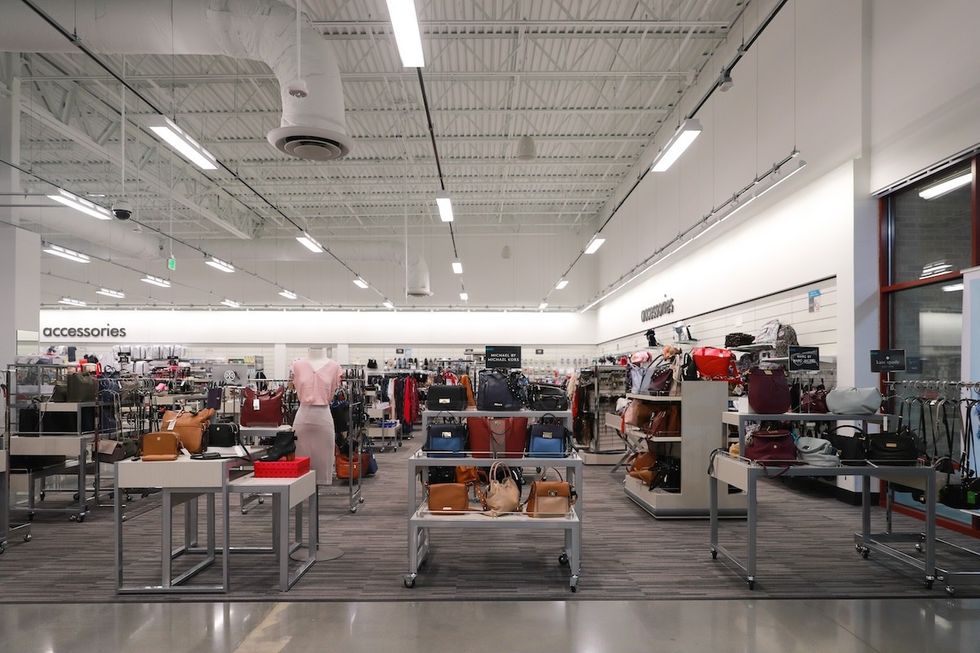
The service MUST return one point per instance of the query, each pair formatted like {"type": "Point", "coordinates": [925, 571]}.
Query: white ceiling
{"type": "Point", "coordinates": [591, 81]}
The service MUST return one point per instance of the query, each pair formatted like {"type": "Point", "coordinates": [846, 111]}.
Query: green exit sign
{"type": "Point", "coordinates": [171, 263]}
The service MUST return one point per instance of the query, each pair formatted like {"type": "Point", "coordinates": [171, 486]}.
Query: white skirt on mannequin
{"type": "Point", "coordinates": [315, 438]}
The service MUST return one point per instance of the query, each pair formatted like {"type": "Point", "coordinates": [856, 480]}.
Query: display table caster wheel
{"type": "Point", "coordinates": [360, 499]}
{"type": "Point", "coordinates": [563, 560]}
{"type": "Point", "coordinates": [353, 509]}
{"type": "Point", "coordinates": [409, 581]}
{"type": "Point", "coordinates": [74, 497]}
{"type": "Point", "coordinates": [863, 550]}
{"type": "Point", "coordinates": [77, 518]}
{"type": "Point", "coordinates": [41, 495]}
{"type": "Point", "coordinates": [573, 584]}
{"type": "Point", "coordinates": [918, 547]}
{"type": "Point", "coordinates": [929, 582]}
{"type": "Point", "coordinates": [950, 590]}
{"type": "Point", "coordinates": [30, 516]}
{"type": "Point", "coordinates": [129, 498]}
{"type": "Point", "coordinates": [714, 554]}
{"type": "Point", "coordinates": [3, 549]}
{"type": "Point", "coordinates": [261, 500]}
{"type": "Point", "coordinates": [751, 584]}
{"type": "Point", "coordinates": [28, 537]}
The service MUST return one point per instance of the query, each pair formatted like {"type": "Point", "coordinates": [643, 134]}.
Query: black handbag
{"type": "Point", "coordinates": [495, 392]}
{"type": "Point", "coordinates": [666, 474]}
{"type": "Point", "coordinates": [82, 388]}
{"type": "Point", "coordinates": [447, 439]}
{"type": "Point", "coordinates": [851, 447]}
{"type": "Point", "coordinates": [446, 397]}
{"type": "Point", "coordinates": [738, 339]}
{"type": "Point", "coordinates": [543, 396]}
{"type": "Point", "coordinates": [223, 434]}
{"type": "Point", "coordinates": [892, 448]}
{"type": "Point", "coordinates": [689, 370]}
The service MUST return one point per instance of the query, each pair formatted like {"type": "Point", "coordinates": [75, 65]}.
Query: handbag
{"type": "Point", "coordinates": [775, 447]}
{"type": "Point", "coordinates": [689, 370]}
{"type": "Point", "coordinates": [345, 469]}
{"type": "Point", "coordinates": [501, 496]}
{"type": "Point", "coordinates": [448, 499]}
{"type": "Point", "coordinates": [768, 391]}
{"type": "Point", "coordinates": [666, 475]}
{"type": "Point", "coordinates": [190, 428]}
{"type": "Point", "coordinates": [854, 401]}
{"type": "Point", "coordinates": [814, 400]}
{"type": "Point", "coordinates": [641, 466]}
{"type": "Point", "coordinates": [893, 448]}
{"type": "Point", "coordinates": [549, 499]}
{"type": "Point", "coordinates": [495, 392]}
{"type": "Point", "coordinates": [852, 448]}
{"type": "Point", "coordinates": [548, 439]}
{"type": "Point", "coordinates": [817, 452]}
{"type": "Point", "coordinates": [446, 397]}
{"type": "Point", "coordinates": [638, 413]}
{"type": "Point", "coordinates": [738, 339]}
{"type": "Point", "coordinates": [261, 408]}
{"type": "Point", "coordinates": [714, 363]}
{"type": "Point", "coordinates": [493, 437]}
{"type": "Point", "coordinates": [543, 396]}
{"type": "Point", "coordinates": [445, 440]}
{"type": "Point", "coordinates": [467, 475]}
{"type": "Point", "coordinates": [665, 421]}
{"type": "Point", "coordinates": [82, 388]}
{"type": "Point", "coordinates": [160, 446]}
{"type": "Point", "coordinates": [661, 379]}
{"type": "Point", "coordinates": [223, 434]}
{"type": "Point", "coordinates": [60, 392]}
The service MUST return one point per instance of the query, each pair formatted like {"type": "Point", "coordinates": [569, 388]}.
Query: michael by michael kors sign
{"type": "Point", "coordinates": [657, 310]}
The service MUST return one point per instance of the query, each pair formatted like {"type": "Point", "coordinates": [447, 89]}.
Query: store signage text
{"type": "Point", "coordinates": [804, 359]}
{"type": "Point", "coordinates": [887, 360]}
{"type": "Point", "coordinates": [503, 357]}
{"type": "Point", "coordinates": [84, 332]}
{"type": "Point", "coordinates": [657, 310]}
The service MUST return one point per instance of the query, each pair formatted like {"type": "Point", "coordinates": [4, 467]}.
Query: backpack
{"type": "Point", "coordinates": [495, 392]}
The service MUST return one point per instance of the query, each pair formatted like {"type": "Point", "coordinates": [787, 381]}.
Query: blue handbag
{"type": "Point", "coordinates": [548, 439]}
{"type": "Point", "coordinates": [446, 440]}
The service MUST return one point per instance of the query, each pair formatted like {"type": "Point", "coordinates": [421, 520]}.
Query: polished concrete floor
{"type": "Point", "coordinates": [743, 626]}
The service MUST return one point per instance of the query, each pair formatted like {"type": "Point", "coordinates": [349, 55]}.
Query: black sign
{"type": "Point", "coordinates": [804, 359]}
{"type": "Point", "coordinates": [887, 360]}
{"type": "Point", "coordinates": [657, 310]}
{"type": "Point", "coordinates": [399, 351]}
{"type": "Point", "coordinates": [506, 357]}
{"type": "Point", "coordinates": [913, 365]}
{"type": "Point", "coordinates": [122, 358]}
{"type": "Point", "coordinates": [538, 352]}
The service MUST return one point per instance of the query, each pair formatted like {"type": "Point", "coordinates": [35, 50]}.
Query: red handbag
{"type": "Point", "coordinates": [715, 364]}
{"type": "Point", "coordinates": [771, 448]}
{"type": "Point", "coordinates": [496, 437]}
{"type": "Point", "coordinates": [261, 408]}
{"type": "Point", "coordinates": [769, 391]}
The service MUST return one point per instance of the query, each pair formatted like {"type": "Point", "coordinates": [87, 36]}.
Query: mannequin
{"type": "Point", "coordinates": [316, 379]}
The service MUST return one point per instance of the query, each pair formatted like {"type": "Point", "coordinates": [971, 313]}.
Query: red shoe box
{"type": "Point", "coordinates": [282, 468]}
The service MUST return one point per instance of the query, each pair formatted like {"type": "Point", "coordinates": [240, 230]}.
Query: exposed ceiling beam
{"type": "Point", "coordinates": [585, 76]}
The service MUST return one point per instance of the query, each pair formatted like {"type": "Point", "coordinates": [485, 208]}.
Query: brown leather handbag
{"type": "Point", "coordinates": [641, 466]}
{"type": "Point", "coordinates": [467, 475]}
{"type": "Point", "coordinates": [159, 446]}
{"type": "Point", "coordinates": [550, 499]}
{"type": "Point", "coordinates": [448, 498]}
{"type": "Point", "coordinates": [190, 428]}
{"type": "Point", "coordinates": [638, 413]}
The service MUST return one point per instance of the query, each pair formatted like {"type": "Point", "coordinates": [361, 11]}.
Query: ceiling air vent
{"type": "Point", "coordinates": [309, 143]}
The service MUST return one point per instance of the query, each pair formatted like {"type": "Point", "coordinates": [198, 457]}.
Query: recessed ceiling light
{"type": "Point", "coordinates": [594, 244]}
{"type": "Point", "coordinates": [109, 292]}
{"type": "Point", "coordinates": [288, 294]}
{"type": "Point", "coordinates": [361, 283]}
{"type": "Point", "coordinates": [405, 23]}
{"type": "Point", "coordinates": [307, 241]}
{"type": "Point", "coordinates": [81, 204]}
{"type": "Point", "coordinates": [678, 143]}
{"type": "Point", "coordinates": [465, 296]}
{"type": "Point", "coordinates": [445, 207]}
{"type": "Point", "coordinates": [542, 306]}
{"type": "Point", "coordinates": [186, 146]}
{"type": "Point", "coordinates": [65, 253]}
{"type": "Point", "coordinates": [218, 264]}
{"type": "Point", "coordinates": [387, 304]}
{"type": "Point", "coordinates": [71, 302]}
{"type": "Point", "coordinates": [457, 267]}
{"type": "Point", "coordinates": [561, 284]}
{"type": "Point", "coordinates": [943, 187]}
{"type": "Point", "coordinates": [156, 281]}
{"type": "Point", "coordinates": [953, 287]}
{"type": "Point", "coordinates": [231, 303]}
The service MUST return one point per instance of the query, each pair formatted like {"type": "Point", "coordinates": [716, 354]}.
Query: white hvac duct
{"type": "Point", "coordinates": [312, 127]}
{"type": "Point", "coordinates": [99, 238]}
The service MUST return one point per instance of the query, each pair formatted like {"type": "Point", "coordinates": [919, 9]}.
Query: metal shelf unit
{"type": "Point", "coordinates": [606, 384]}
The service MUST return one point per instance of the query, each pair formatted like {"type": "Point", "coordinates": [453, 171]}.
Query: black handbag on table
{"type": "Point", "coordinates": [495, 392]}
{"type": "Point", "coordinates": [543, 396]}
{"type": "Point", "coordinates": [223, 434]}
{"type": "Point", "coordinates": [852, 448]}
{"type": "Point", "coordinates": [446, 397]}
{"type": "Point", "coordinates": [893, 448]}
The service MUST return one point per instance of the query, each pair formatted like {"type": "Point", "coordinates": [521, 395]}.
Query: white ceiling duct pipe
{"type": "Point", "coordinates": [68, 227]}
{"type": "Point", "coordinates": [312, 127]}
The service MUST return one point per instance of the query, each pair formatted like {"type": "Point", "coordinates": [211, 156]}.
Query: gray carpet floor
{"type": "Point", "coordinates": [805, 548]}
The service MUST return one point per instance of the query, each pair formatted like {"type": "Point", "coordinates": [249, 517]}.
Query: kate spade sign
{"type": "Point", "coordinates": [657, 310]}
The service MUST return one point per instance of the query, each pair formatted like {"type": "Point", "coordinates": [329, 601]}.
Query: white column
{"type": "Point", "coordinates": [280, 366]}
{"type": "Point", "coordinates": [341, 354]}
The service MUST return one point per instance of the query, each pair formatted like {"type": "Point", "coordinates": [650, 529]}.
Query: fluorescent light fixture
{"type": "Point", "coordinates": [71, 302]}
{"type": "Point", "coordinates": [542, 306]}
{"type": "Point", "coordinates": [186, 146]}
{"type": "Point", "coordinates": [457, 267]}
{"type": "Point", "coordinates": [218, 264]}
{"type": "Point", "coordinates": [405, 23]}
{"type": "Point", "coordinates": [288, 294]}
{"type": "Point", "coordinates": [230, 303]}
{"type": "Point", "coordinates": [361, 283]}
{"type": "Point", "coordinates": [943, 187]}
{"type": "Point", "coordinates": [82, 204]}
{"type": "Point", "coordinates": [594, 244]}
{"type": "Point", "coordinates": [935, 269]}
{"type": "Point", "coordinates": [757, 190]}
{"type": "Point", "coordinates": [464, 296]}
{"type": "Point", "coordinates": [109, 292]}
{"type": "Point", "coordinates": [445, 208]}
{"type": "Point", "coordinates": [156, 281]}
{"type": "Point", "coordinates": [678, 143]}
{"type": "Point", "coordinates": [953, 287]}
{"type": "Point", "coordinates": [561, 284]}
{"type": "Point", "coordinates": [387, 304]}
{"type": "Point", "coordinates": [307, 241]}
{"type": "Point", "coordinates": [65, 253]}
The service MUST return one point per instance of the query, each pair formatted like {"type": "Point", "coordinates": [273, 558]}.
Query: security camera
{"type": "Point", "coordinates": [298, 88]}
{"type": "Point", "coordinates": [122, 209]}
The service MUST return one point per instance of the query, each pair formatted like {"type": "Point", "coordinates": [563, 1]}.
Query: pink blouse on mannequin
{"type": "Point", "coordinates": [316, 387]}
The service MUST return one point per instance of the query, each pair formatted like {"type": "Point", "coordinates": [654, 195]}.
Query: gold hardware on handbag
{"type": "Point", "coordinates": [161, 446]}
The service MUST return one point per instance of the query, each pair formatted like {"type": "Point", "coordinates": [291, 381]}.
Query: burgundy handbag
{"type": "Point", "coordinates": [261, 408]}
{"type": "Point", "coordinates": [774, 448]}
{"type": "Point", "coordinates": [662, 379]}
{"type": "Point", "coordinates": [814, 400]}
{"type": "Point", "coordinates": [768, 391]}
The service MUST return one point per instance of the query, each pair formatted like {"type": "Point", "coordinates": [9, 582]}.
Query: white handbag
{"type": "Point", "coordinates": [854, 401]}
{"type": "Point", "coordinates": [817, 452]}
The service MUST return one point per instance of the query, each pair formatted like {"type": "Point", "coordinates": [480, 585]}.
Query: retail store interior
{"type": "Point", "coordinates": [625, 325]}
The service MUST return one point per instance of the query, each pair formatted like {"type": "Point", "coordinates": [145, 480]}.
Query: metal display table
{"type": "Point", "coordinates": [70, 446]}
{"type": "Point", "coordinates": [564, 415]}
{"type": "Point", "coordinates": [742, 419]}
{"type": "Point", "coordinates": [745, 474]}
{"type": "Point", "coordinates": [420, 520]}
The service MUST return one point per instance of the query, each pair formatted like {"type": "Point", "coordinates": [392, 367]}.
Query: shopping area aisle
{"type": "Point", "coordinates": [841, 626]}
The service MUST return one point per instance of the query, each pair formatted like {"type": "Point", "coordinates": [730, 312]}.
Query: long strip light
{"type": "Point", "coordinates": [230, 303]}
{"type": "Point", "coordinates": [445, 208]}
{"type": "Point", "coordinates": [218, 264]}
{"type": "Point", "coordinates": [307, 241]}
{"type": "Point", "coordinates": [65, 253]}
{"type": "Point", "coordinates": [943, 187]}
{"type": "Point", "coordinates": [388, 304]}
{"type": "Point", "coordinates": [594, 244]}
{"type": "Point", "coordinates": [953, 287]}
{"type": "Point", "coordinates": [935, 269]}
{"type": "Point", "coordinates": [288, 294]}
{"type": "Point", "coordinates": [562, 283]}
{"type": "Point", "coordinates": [542, 306]}
{"type": "Point", "coordinates": [81, 204]}
{"type": "Point", "coordinates": [71, 302]}
{"type": "Point", "coordinates": [405, 23]}
{"type": "Point", "coordinates": [361, 283]}
{"type": "Point", "coordinates": [689, 130]}
{"type": "Point", "coordinates": [109, 292]}
{"type": "Point", "coordinates": [186, 146]}
{"type": "Point", "coordinates": [457, 267]}
{"type": "Point", "coordinates": [156, 281]}
{"type": "Point", "coordinates": [464, 296]}
{"type": "Point", "coordinates": [752, 192]}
